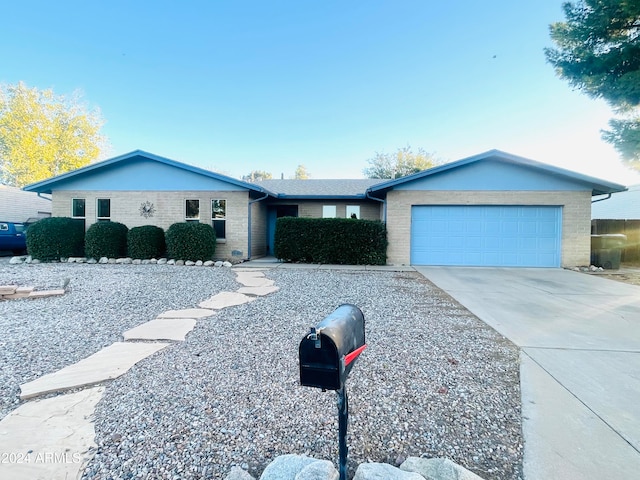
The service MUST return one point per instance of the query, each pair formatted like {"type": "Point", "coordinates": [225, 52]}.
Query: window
{"type": "Point", "coordinates": [4, 227]}
{"type": "Point", "coordinates": [219, 218]}
{"type": "Point", "coordinates": [104, 209]}
{"type": "Point", "coordinates": [353, 211]}
{"type": "Point", "coordinates": [192, 211]}
{"type": "Point", "coordinates": [328, 211]}
{"type": "Point", "coordinates": [77, 208]}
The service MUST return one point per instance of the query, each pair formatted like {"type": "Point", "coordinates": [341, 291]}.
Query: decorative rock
{"type": "Point", "coordinates": [287, 467]}
{"type": "Point", "coordinates": [17, 260]}
{"type": "Point", "coordinates": [437, 469]}
{"type": "Point", "coordinates": [153, 261]}
{"type": "Point", "coordinates": [146, 261]}
{"type": "Point", "coordinates": [208, 263]}
{"type": "Point", "coordinates": [29, 259]}
{"type": "Point", "coordinates": [383, 471]}
{"type": "Point", "coordinates": [35, 261]}
{"type": "Point", "coordinates": [189, 263]}
{"type": "Point", "coordinates": [169, 262]}
{"type": "Point", "coordinates": [92, 261]}
{"type": "Point", "coordinates": [103, 260]}
{"type": "Point", "coordinates": [320, 470]}
{"type": "Point", "coordinates": [227, 264]}
{"type": "Point", "coordinates": [111, 260]}
{"type": "Point", "coordinates": [162, 261]}
{"type": "Point", "coordinates": [76, 260]}
{"type": "Point", "coordinates": [179, 263]}
{"type": "Point", "coordinates": [136, 261]}
{"type": "Point", "coordinates": [199, 263]}
{"type": "Point", "coordinates": [238, 473]}
{"type": "Point", "coordinates": [218, 263]}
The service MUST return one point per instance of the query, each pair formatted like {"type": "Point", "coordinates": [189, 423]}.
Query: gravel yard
{"type": "Point", "coordinates": [434, 381]}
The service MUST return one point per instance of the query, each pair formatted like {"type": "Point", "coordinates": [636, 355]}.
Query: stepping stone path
{"type": "Point", "coordinates": [13, 292]}
{"type": "Point", "coordinates": [54, 437]}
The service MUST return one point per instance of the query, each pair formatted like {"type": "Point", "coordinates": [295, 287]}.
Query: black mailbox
{"type": "Point", "coordinates": [328, 352]}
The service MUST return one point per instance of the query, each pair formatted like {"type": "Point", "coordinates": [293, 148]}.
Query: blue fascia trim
{"type": "Point", "coordinates": [44, 186]}
{"type": "Point", "coordinates": [360, 196]}
{"type": "Point", "coordinates": [598, 187]}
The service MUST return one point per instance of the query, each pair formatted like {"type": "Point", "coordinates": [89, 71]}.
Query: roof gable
{"type": "Point", "coordinates": [496, 170]}
{"type": "Point", "coordinates": [140, 170]}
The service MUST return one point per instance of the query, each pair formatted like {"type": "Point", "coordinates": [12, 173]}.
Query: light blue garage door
{"type": "Point", "coordinates": [486, 235]}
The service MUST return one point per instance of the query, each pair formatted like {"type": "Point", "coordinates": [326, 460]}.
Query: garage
{"type": "Point", "coordinates": [486, 235]}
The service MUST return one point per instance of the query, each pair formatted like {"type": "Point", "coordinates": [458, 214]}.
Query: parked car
{"type": "Point", "coordinates": [13, 237]}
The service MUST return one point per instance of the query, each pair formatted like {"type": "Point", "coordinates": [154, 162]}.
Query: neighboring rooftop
{"type": "Point", "coordinates": [315, 188]}
{"type": "Point", "coordinates": [621, 206]}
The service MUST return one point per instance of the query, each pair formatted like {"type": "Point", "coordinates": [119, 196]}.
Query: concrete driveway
{"type": "Point", "coordinates": [579, 363]}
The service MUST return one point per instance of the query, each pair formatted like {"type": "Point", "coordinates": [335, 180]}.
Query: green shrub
{"type": "Point", "coordinates": [331, 240]}
{"type": "Point", "coordinates": [191, 241]}
{"type": "Point", "coordinates": [146, 242]}
{"type": "Point", "coordinates": [55, 237]}
{"type": "Point", "coordinates": [106, 239]}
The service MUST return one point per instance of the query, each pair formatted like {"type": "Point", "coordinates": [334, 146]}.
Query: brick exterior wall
{"type": "Point", "coordinates": [259, 229]}
{"type": "Point", "coordinates": [170, 208]}
{"type": "Point", "coordinates": [576, 217]}
{"type": "Point", "coordinates": [313, 208]}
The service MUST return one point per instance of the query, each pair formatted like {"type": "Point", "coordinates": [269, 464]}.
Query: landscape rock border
{"type": "Point", "coordinates": [27, 259]}
{"type": "Point", "coordinates": [302, 467]}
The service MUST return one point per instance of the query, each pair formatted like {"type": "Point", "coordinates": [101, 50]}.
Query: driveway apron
{"type": "Point", "coordinates": [579, 337]}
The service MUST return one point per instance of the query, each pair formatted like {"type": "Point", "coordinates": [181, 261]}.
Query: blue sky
{"type": "Point", "coordinates": [236, 86]}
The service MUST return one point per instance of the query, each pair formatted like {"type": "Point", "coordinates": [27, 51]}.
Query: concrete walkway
{"type": "Point", "coordinates": [580, 363]}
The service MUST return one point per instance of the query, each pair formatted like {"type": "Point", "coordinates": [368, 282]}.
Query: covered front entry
{"type": "Point", "coordinates": [275, 212]}
{"type": "Point", "coordinates": [486, 235]}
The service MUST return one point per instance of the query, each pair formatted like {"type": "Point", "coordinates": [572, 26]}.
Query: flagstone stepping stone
{"type": "Point", "coordinates": [187, 313]}
{"type": "Point", "coordinates": [225, 299]}
{"type": "Point", "coordinates": [258, 291]}
{"type": "Point", "coordinates": [249, 280]}
{"type": "Point", "coordinates": [49, 438]}
{"type": "Point", "coordinates": [161, 329]}
{"type": "Point", "coordinates": [107, 364]}
{"type": "Point", "coordinates": [47, 293]}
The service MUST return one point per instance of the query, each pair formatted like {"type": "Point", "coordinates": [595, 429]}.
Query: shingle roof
{"type": "Point", "coordinates": [315, 188]}
{"type": "Point", "coordinates": [621, 206]}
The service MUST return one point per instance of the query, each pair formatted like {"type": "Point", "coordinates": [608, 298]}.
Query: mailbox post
{"type": "Point", "coordinates": [327, 355]}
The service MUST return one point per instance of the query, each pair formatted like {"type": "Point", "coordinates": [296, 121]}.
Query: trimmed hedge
{"type": "Point", "coordinates": [331, 240]}
{"type": "Point", "coordinates": [55, 237]}
{"type": "Point", "coordinates": [146, 242]}
{"type": "Point", "coordinates": [191, 241]}
{"type": "Point", "coordinates": [106, 239]}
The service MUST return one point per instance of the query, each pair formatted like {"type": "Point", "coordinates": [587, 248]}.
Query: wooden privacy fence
{"type": "Point", "coordinates": [630, 228]}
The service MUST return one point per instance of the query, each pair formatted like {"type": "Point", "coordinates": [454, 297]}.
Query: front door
{"type": "Point", "coordinates": [275, 212]}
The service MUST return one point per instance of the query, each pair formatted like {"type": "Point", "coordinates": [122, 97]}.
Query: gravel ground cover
{"type": "Point", "coordinates": [434, 381]}
{"type": "Point", "coordinates": [45, 335]}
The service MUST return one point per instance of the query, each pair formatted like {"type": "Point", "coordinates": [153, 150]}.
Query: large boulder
{"type": "Point", "coordinates": [437, 469]}
{"type": "Point", "coordinates": [299, 467]}
{"type": "Point", "coordinates": [238, 473]}
{"type": "Point", "coordinates": [383, 471]}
